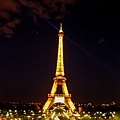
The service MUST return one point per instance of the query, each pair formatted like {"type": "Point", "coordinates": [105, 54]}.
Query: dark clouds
{"type": "Point", "coordinates": [12, 12]}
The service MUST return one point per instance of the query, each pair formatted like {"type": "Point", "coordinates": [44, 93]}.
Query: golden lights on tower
{"type": "Point", "coordinates": [60, 64]}
{"type": "Point", "coordinates": [59, 80]}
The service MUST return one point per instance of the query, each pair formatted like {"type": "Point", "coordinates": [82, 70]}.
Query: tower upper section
{"type": "Point", "coordinates": [60, 62]}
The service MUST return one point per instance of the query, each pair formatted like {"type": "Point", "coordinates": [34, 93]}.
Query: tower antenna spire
{"type": "Point", "coordinates": [60, 28]}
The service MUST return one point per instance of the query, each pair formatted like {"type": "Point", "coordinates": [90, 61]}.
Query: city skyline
{"type": "Point", "coordinates": [91, 54]}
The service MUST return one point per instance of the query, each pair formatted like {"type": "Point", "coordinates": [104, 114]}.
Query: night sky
{"type": "Point", "coordinates": [28, 49]}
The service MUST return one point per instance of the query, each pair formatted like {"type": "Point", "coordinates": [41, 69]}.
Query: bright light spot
{"type": "Point", "coordinates": [59, 99]}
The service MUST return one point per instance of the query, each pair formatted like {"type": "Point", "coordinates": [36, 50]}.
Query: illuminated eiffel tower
{"type": "Point", "coordinates": [59, 82]}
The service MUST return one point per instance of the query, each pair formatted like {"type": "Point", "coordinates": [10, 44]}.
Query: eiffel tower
{"type": "Point", "coordinates": [59, 82]}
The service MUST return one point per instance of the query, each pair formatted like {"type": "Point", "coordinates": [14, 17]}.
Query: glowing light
{"type": "Point", "coordinates": [56, 118]}
{"type": "Point", "coordinates": [53, 115]}
{"type": "Point", "coordinates": [59, 99]}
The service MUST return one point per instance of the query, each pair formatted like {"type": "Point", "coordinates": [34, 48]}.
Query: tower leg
{"type": "Point", "coordinates": [54, 88]}
{"type": "Point", "coordinates": [47, 105]}
{"type": "Point", "coordinates": [64, 89]}
{"type": "Point", "coordinates": [70, 104]}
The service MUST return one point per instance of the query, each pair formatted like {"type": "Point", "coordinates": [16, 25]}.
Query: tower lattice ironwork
{"type": "Point", "coordinates": [59, 81]}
